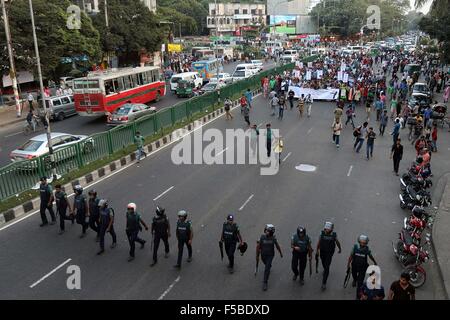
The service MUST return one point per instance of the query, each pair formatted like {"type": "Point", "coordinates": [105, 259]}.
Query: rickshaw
{"type": "Point", "coordinates": [439, 113]}
{"type": "Point", "coordinates": [185, 89]}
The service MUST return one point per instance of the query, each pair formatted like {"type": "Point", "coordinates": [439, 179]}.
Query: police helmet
{"type": "Point", "coordinates": [43, 178]}
{"type": "Point", "coordinates": [132, 205]}
{"type": "Point", "coordinates": [363, 238]}
{"type": "Point", "coordinates": [243, 248]}
{"type": "Point", "coordinates": [103, 202]}
{"type": "Point", "coordinates": [159, 210]}
{"type": "Point", "coordinates": [328, 225]}
{"type": "Point", "coordinates": [182, 213]}
{"type": "Point", "coordinates": [301, 230]}
{"type": "Point", "coordinates": [92, 192]}
{"type": "Point", "coordinates": [78, 189]}
{"type": "Point", "coordinates": [270, 227]}
{"type": "Point", "coordinates": [230, 217]}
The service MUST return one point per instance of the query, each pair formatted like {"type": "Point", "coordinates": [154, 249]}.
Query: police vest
{"type": "Point", "coordinates": [360, 255]}
{"type": "Point", "coordinates": [302, 243]}
{"type": "Point", "coordinates": [133, 221]}
{"type": "Point", "coordinates": [183, 230]}
{"type": "Point", "coordinates": [80, 203]}
{"type": "Point", "coordinates": [160, 224]}
{"type": "Point", "coordinates": [327, 241]}
{"type": "Point", "coordinates": [61, 200]}
{"type": "Point", "coordinates": [229, 232]}
{"type": "Point", "coordinates": [267, 245]}
{"type": "Point", "coordinates": [45, 192]}
{"type": "Point", "coordinates": [93, 207]}
{"type": "Point", "coordinates": [105, 215]}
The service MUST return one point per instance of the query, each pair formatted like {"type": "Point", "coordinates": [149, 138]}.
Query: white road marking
{"type": "Point", "coordinates": [169, 288]}
{"type": "Point", "coordinates": [129, 165]}
{"type": "Point", "coordinates": [287, 156]}
{"type": "Point", "coordinates": [13, 134]}
{"type": "Point", "coordinates": [246, 201]}
{"type": "Point", "coordinates": [222, 151]}
{"type": "Point", "coordinates": [309, 131]}
{"type": "Point", "coordinates": [349, 171]}
{"type": "Point", "coordinates": [163, 193]}
{"type": "Point", "coordinates": [50, 273]}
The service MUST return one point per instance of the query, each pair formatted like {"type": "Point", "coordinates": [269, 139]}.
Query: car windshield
{"type": "Point", "coordinates": [31, 145]}
{"type": "Point", "coordinates": [123, 110]}
{"type": "Point", "coordinates": [239, 74]}
{"type": "Point", "coordinates": [175, 79]}
{"type": "Point", "coordinates": [420, 88]}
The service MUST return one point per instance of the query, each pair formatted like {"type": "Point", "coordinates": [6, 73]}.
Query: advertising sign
{"type": "Point", "coordinates": [283, 24]}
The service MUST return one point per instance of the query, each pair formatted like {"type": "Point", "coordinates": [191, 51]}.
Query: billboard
{"type": "Point", "coordinates": [283, 24]}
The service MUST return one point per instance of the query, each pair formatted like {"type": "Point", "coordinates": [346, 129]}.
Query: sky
{"type": "Point", "coordinates": [425, 8]}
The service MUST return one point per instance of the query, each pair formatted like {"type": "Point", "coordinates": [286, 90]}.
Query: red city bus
{"type": "Point", "coordinates": [102, 92]}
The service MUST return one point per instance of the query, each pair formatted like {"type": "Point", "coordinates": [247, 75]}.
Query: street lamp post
{"type": "Point", "coordinates": [41, 85]}
{"type": "Point", "coordinates": [12, 68]}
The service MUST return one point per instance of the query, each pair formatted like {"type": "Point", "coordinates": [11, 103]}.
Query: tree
{"type": "Point", "coordinates": [55, 40]}
{"type": "Point", "coordinates": [188, 24]}
{"type": "Point", "coordinates": [132, 28]}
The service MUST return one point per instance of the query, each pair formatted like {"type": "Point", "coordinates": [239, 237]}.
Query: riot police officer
{"type": "Point", "coordinates": [61, 207]}
{"type": "Point", "coordinates": [265, 247]}
{"type": "Point", "coordinates": [184, 233]}
{"type": "Point", "coordinates": [81, 209]}
{"type": "Point", "coordinates": [301, 248]}
{"type": "Point", "coordinates": [106, 224]}
{"type": "Point", "coordinates": [94, 214]}
{"type": "Point", "coordinates": [46, 194]}
{"type": "Point", "coordinates": [133, 227]}
{"type": "Point", "coordinates": [230, 236]}
{"type": "Point", "coordinates": [358, 261]}
{"type": "Point", "coordinates": [325, 249]}
{"type": "Point", "coordinates": [160, 230]}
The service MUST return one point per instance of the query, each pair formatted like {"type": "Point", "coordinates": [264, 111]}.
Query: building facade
{"type": "Point", "coordinates": [229, 18]}
{"type": "Point", "coordinates": [285, 8]}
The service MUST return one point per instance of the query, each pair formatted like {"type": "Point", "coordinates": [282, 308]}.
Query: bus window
{"type": "Point", "coordinates": [109, 88]}
{"type": "Point", "coordinates": [154, 76]}
{"type": "Point", "coordinates": [140, 79]}
{"type": "Point", "coordinates": [149, 76]}
{"type": "Point", "coordinates": [126, 82]}
{"type": "Point", "coordinates": [135, 80]}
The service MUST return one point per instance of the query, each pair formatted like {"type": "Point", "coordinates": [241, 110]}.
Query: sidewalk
{"type": "Point", "coordinates": [8, 115]}
{"type": "Point", "coordinates": [441, 229]}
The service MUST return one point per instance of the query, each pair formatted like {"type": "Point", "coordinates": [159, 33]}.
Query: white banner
{"type": "Point", "coordinates": [308, 75]}
{"type": "Point", "coordinates": [319, 74]}
{"type": "Point", "coordinates": [340, 75]}
{"type": "Point", "coordinates": [345, 77]}
{"type": "Point", "coordinates": [320, 94]}
{"type": "Point", "coordinates": [309, 64]}
{"type": "Point", "coordinates": [297, 73]}
{"type": "Point", "coordinates": [343, 67]}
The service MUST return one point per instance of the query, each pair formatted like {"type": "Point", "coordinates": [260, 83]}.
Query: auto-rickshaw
{"type": "Point", "coordinates": [185, 89]}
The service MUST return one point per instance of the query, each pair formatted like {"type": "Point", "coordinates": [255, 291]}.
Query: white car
{"type": "Point", "coordinates": [223, 78]}
{"type": "Point", "coordinates": [259, 64]}
{"type": "Point", "coordinates": [38, 146]}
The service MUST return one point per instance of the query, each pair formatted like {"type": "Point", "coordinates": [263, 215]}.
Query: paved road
{"type": "Point", "coordinates": [11, 137]}
{"type": "Point", "coordinates": [361, 200]}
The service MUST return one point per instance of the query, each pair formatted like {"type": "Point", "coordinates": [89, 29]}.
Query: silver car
{"type": "Point", "coordinates": [38, 146]}
{"type": "Point", "coordinates": [129, 112]}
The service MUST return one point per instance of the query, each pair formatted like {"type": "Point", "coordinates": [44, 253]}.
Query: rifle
{"type": "Point", "coordinates": [347, 277]}
{"type": "Point", "coordinates": [221, 249]}
{"type": "Point", "coordinates": [317, 263]}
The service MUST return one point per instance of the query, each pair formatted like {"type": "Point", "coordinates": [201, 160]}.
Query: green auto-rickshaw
{"type": "Point", "coordinates": [185, 89]}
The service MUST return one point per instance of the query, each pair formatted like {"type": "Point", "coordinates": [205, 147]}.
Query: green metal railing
{"type": "Point", "coordinates": [20, 176]}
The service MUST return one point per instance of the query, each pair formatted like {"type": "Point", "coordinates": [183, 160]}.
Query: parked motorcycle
{"type": "Point", "coordinates": [410, 198]}
{"type": "Point", "coordinates": [416, 181]}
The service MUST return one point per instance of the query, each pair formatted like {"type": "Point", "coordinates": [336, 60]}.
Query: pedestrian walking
{"type": "Point", "coordinates": [291, 95]}
{"type": "Point", "coordinates": [301, 105]}
{"type": "Point", "coordinates": [383, 122]}
{"type": "Point", "coordinates": [309, 102]}
{"type": "Point", "coordinates": [274, 104]}
{"type": "Point", "coordinates": [133, 227]}
{"type": "Point", "coordinates": [249, 98]}
{"type": "Point", "coordinates": [243, 102]}
{"type": "Point", "coordinates": [247, 114]}
{"type": "Point", "coordinates": [30, 100]}
{"type": "Point", "coordinates": [379, 109]}
{"type": "Point", "coordinates": [279, 148]}
{"type": "Point", "coordinates": [254, 134]}
{"type": "Point", "coordinates": [184, 234]}
{"type": "Point", "coordinates": [368, 108]}
{"type": "Point", "coordinates": [227, 107]}
{"type": "Point", "coordinates": [94, 213]}
{"type": "Point", "coordinates": [396, 154]}
{"type": "Point", "coordinates": [139, 142]}
{"type": "Point", "coordinates": [325, 250]}
{"type": "Point", "coordinates": [281, 107]}
{"type": "Point", "coordinates": [268, 139]}
{"type": "Point", "coordinates": [301, 250]}
{"type": "Point", "coordinates": [46, 195]}
{"type": "Point", "coordinates": [160, 230]}
{"type": "Point", "coordinates": [62, 203]}
{"type": "Point", "coordinates": [396, 131]}
{"type": "Point", "coordinates": [350, 115]}
{"type": "Point", "coordinates": [434, 138]}
{"type": "Point", "coordinates": [230, 236]}
{"type": "Point", "coordinates": [360, 133]}
{"type": "Point", "coordinates": [371, 136]}
{"type": "Point", "coordinates": [106, 224]}
{"type": "Point", "coordinates": [81, 209]}
{"type": "Point", "coordinates": [358, 262]}
{"type": "Point", "coordinates": [394, 107]}
{"type": "Point", "coordinates": [337, 113]}
{"type": "Point", "coordinates": [402, 290]}
{"type": "Point", "coordinates": [336, 128]}
{"type": "Point", "coordinates": [265, 247]}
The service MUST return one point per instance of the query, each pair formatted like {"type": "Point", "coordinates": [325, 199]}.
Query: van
{"type": "Point", "coordinates": [188, 76]}
{"type": "Point", "coordinates": [247, 66]}
{"type": "Point", "coordinates": [291, 52]}
{"type": "Point", "coordinates": [288, 58]}
{"type": "Point", "coordinates": [60, 107]}
{"type": "Point", "coordinates": [242, 74]}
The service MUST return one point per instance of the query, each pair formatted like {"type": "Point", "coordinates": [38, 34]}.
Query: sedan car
{"type": "Point", "coordinates": [223, 78]}
{"type": "Point", "coordinates": [422, 88]}
{"type": "Point", "coordinates": [209, 87]}
{"type": "Point", "coordinates": [38, 146]}
{"type": "Point", "coordinates": [422, 99]}
{"type": "Point", "coordinates": [128, 113]}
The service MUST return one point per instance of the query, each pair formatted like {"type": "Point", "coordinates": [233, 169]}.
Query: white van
{"type": "Point", "coordinates": [290, 52]}
{"type": "Point", "coordinates": [188, 76]}
{"type": "Point", "coordinates": [288, 58]}
{"type": "Point", "coordinates": [247, 66]}
{"type": "Point", "coordinates": [242, 74]}
{"type": "Point", "coordinates": [258, 63]}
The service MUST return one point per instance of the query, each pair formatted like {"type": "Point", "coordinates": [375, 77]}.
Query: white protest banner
{"type": "Point", "coordinates": [308, 75]}
{"type": "Point", "coordinates": [345, 78]}
{"type": "Point", "coordinates": [297, 73]}
{"type": "Point", "coordinates": [319, 94]}
{"type": "Point", "coordinates": [340, 75]}
{"type": "Point", "coordinates": [343, 67]}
